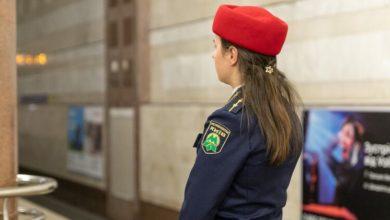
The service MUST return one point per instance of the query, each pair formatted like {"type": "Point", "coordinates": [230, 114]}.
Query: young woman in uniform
{"type": "Point", "coordinates": [248, 149]}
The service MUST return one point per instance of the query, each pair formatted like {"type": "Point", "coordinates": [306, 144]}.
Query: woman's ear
{"type": "Point", "coordinates": [233, 55]}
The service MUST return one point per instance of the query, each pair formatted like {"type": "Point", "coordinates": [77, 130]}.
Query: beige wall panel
{"type": "Point", "coordinates": [83, 80]}
{"type": "Point", "coordinates": [317, 49]}
{"type": "Point", "coordinates": [312, 45]}
{"type": "Point", "coordinates": [70, 15]}
{"type": "Point", "coordinates": [43, 142]}
{"type": "Point", "coordinates": [338, 55]}
{"type": "Point", "coordinates": [346, 93]}
{"type": "Point", "coordinates": [77, 98]}
{"type": "Point", "coordinates": [308, 9]}
{"type": "Point", "coordinates": [63, 39]}
{"type": "Point", "coordinates": [341, 59]}
{"type": "Point", "coordinates": [122, 153]}
{"type": "Point", "coordinates": [26, 12]}
{"type": "Point", "coordinates": [180, 33]}
{"type": "Point", "coordinates": [71, 33]}
{"type": "Point", "coordinates": [339, 25]}
{"type": "Point", "coordinates": [170, 12]}
{"type": "Point", "coordinates": [357, 57]}
{"type": "Point", "coordinates": [79, 70]}
{"type": "Point", "coordinates": [292, 210]}
{"type": "Point", "coordinates": [184, 72]}
{"type": "Point", "coordinates": [167, 136]}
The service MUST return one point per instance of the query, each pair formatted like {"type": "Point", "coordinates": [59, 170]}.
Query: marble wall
{"type": "Point", "coordinates": [70, 32]}
{"type": "Point", "coordinates": [122, 154]}
{"type": "Point", "coordinates": [167, 136]}
{"type": "Point", "coordinates": [336, 53]}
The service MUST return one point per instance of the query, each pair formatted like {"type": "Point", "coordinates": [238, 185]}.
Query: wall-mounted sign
{"type": "Point", "coordinates": [346, 170]}
{"type": "Point", "coordinates": [85, 153]}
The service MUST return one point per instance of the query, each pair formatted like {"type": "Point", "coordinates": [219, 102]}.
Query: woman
{"type": "Point", "coordinates": [347, 166]}
{"type": "Point", "coordinates": [249, 147]}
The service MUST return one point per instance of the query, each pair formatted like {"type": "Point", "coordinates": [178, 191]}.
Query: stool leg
{"type": "Point", "coordinates": [5, 209]}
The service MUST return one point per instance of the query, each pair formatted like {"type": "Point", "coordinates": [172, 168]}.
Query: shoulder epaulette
{"type": "Point", "coordinates": [236, 106]}
{"type": "Point", "coordinates": [235, 102]}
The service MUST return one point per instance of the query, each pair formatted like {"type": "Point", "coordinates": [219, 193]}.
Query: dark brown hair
{"type": "Point", "coordinates": [358, 128]}
{"type": "Point", "coordinates": [273, 100]}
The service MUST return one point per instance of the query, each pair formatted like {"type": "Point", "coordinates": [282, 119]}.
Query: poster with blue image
{"type": "Point", "coordinates": [85, 150]}
{"type": "Point", "coordinates": [346, 164]}
{"type": "Point", "coordinates": [76, 128]}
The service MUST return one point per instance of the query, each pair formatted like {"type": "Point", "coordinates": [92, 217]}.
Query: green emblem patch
{"type": "Point", "coordinates": [214, 138]}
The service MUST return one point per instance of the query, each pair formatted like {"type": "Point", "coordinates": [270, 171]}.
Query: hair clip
{"type": "Point", "coordinates": [269, 69]}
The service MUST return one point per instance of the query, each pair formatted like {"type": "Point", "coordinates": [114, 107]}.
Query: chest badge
{"type": "Point", "coordinates": [215, 138]}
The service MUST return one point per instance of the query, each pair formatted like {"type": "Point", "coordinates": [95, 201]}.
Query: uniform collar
{"type": "Point", "coordinates": [237, 91]}
{"type": "Point", "coordinates": [235, 101]}
{"type": "Point", "coordinates": [236, 88]}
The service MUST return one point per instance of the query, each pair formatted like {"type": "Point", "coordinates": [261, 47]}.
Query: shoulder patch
{"type": "Point", "coordinates": [215, 138]}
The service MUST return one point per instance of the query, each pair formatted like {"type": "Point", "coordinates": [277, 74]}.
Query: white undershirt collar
{"type": "Point", "coordinates": [235, 89]}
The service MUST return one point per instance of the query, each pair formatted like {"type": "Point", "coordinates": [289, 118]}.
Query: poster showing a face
{"type": "Point", "coordinates": [346, 164]}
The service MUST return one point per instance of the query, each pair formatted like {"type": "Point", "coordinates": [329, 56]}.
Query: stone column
{"type": "Point", "coordinates": [8, 108]}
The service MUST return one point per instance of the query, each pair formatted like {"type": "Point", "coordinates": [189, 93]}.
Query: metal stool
{"type": "Point", "coordinates": [27, 185]}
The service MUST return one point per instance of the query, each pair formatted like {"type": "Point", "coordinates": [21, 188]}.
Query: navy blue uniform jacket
{"type": "Point", "coordinates": [231, 178]}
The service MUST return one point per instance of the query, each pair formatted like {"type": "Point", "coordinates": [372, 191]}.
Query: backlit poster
{"type": "Point", "coordinates": [346, 170]}
{"type": "Point", "coordinates": [85, 140]}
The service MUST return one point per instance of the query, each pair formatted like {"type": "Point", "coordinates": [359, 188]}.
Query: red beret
{"type": "Point", "coordinates": [250, 27]}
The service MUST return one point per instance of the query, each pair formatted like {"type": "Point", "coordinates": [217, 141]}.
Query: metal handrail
{"type": "Point", "coordinates": [27, 185]}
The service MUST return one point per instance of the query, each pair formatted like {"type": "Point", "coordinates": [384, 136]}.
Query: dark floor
{"type": "Point", "coordinates": [65, 209]}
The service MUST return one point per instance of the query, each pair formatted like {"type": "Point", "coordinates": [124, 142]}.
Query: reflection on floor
{"type": "Point", "coordinates": [49, 214]}
{"type": "Point", "coordinates": [60, 210]}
